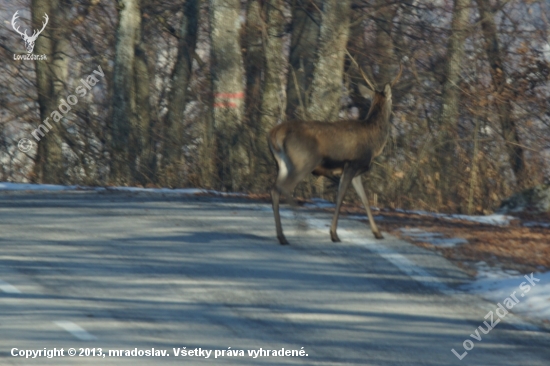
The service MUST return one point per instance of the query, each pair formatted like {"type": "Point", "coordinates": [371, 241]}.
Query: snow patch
{"type": "Point", "coordinates": [436, 239]}
{"type": "Point", "coordinates": [35, 187]}
{"type": "Point", "coordinates": [320, 203]}
{"type": "Point", "coordinates": [496, 285]}
{"type": "Point", "coordinates": [536, 224]}
{"type": "Point", "coordinates": [4, 186]}
{"type": "Point", "coordinates": [494, 219]}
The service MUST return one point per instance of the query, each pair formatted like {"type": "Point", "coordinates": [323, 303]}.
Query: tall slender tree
{"type": "Point", "coordinates": [51, 78]}
{"type": "Point", "coordinates": [253, 58]}
{"type": "Point", "coordinates": [326, 87]}
{"type": "Point", "coordinates": [384, 42]}
{"type": "Point", "coordinates": [228, 94]}
{"type": "Point", "coordinates": [273, 93]}
{"type": "Point", "coordinates": [178, 97]}
{"type": "Point", "coordinates": [141, 149]}
{"type": "Point", "coordinates": [450, 98]}
{"type": "Point", "coordinates": [504, 94]}
{"type": "Point", "coordinates": [124, 119]}
{"type": "Point", "coordinates": [358, 50]}
{"type": "Point", "coordinates": [265, 65]}
{"type": "Point", "coordinates": [306, 19]}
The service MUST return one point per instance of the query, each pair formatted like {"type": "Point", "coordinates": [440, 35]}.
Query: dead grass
{"type": "Point", "coordinates": [515, 247]}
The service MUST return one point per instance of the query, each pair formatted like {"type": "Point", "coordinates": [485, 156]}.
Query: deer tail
{"type": "Point", "coordinates": [276, 139]}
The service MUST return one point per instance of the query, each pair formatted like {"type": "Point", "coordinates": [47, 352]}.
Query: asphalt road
{"type": "Point", "coordinates": [118, 271]}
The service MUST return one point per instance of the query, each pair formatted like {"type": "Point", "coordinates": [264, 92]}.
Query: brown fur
{"type": "Point", "coordinates": [344, 147]}
{"type": "Point", "coordinates": [334, 144]}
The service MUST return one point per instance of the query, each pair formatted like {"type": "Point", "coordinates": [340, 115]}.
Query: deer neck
{"type": "Point", "coordinates": [379, 115]}
{"type": "Point", "coordinates": [378, 122]}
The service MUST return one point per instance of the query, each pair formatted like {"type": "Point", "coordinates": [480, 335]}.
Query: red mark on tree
{"type": "Point", "coordinates": [225, 103]}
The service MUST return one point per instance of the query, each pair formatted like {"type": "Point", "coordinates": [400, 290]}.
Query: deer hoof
{"type": "Point", "coordinates": [282, 240]}
{"type": "Point", "coordinates": [378, 236]}
{"type": "Point", "coordinates": [335, 238]}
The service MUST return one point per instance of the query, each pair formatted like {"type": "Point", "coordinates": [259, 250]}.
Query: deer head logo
{"type": "Point", "coordinates": [29, 40]}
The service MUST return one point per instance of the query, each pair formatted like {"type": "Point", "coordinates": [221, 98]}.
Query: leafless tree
{"type": "Point", "coordinates": [228, 93]}
{"type": "Point", "coordinates": [126, 132]}
{"type": "Point", "coordinates": [51, 80]}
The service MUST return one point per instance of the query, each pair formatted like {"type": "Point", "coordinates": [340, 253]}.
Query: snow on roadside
{"type": "Point", "coordinates": [320, 203]}
{"type": "Point", "coordinates": [435, 239]}
{"type": "Point", "coordinates": [493, 284]}
{"type": "Point", "coordinates": [34, 187]}
{"type": "Point", "coordinates": [536, 224]}
{"type": "Point", "coordinates": [532, 291]}
{"type": "Point", "coordinates": [494, 219]}
{"type": "Point", "coordinates": [4, 186]}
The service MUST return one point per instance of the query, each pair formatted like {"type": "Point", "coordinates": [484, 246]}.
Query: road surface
{"type": "Point", "coordinates": [109, 272]}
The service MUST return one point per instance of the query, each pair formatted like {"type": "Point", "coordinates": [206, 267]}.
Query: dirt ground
{"type": "Point", "coordinates": [512, 247]}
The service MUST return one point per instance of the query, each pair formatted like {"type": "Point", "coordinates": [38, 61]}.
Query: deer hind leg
{"type": "Point", "coordinates": [358, 185]}
{"type": "Point", "coordinates": [283, 165]}
{"type": "Point", "coordinates": [289, 176]}
{"type": "Point", "coordinates": [275, 197]}
{"type": "Point", "coordinates": [345, 179]}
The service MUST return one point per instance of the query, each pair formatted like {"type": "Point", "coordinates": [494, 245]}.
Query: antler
{"type": "Point", "coordinates": [371, 85]}
{"type": "Point", "coordinates": [35, 34]}
{"type": "Point", "coordinates": [398, 75]}
{"type": "Point", "coordinates": [13, 19]}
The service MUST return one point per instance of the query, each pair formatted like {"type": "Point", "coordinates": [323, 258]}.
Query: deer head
{"type": "Point", "coordinates": [371, 91]}
{"type": "Point", "coordinates": [29, 40]}
{"type": "Point", "coordinates": [380, 99]}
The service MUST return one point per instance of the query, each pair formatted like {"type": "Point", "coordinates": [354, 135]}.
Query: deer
{"type": "Point", "coordinates": [345, 148]}
{"type": "Point", "coordinates": [29, 40]}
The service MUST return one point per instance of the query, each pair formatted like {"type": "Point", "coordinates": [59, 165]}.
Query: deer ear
{"type": "Point", "coordinates": [365, 92]}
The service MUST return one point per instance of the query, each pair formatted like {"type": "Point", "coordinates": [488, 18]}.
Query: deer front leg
{"type": "Point", "coordinates": [275, 198]}
{"type": "Point", "coordinates": [345, 179]}
{"type": "Point", "coordinates": [358, 185]}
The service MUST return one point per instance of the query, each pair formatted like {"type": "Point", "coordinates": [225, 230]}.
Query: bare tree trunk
{"type": "Point", "coordinates": [253, 58]}
{"type": "Point", "coordinates": [51, 78]}
{"type": "Point", "coordinates": [324, 104]}
{"type": "Point", "coordinates": [272, 109]}
{"type": "Point", "coordinates": [357, 49]}
{"type": "Point", "coordinates": [227, 83]}
{"type": "Point", "coordinates": [273, 99]}
{"type": "Point", "coordinates": [124, 121]}
{"type": "Point", "coordinates": [181, 76]}
{"type": "Point", "coordinates": [384, 42]}
{"type": "Point", "coordinates": [450, 100]}
{"type": "Point", "coordinates": [503, 99]}
{"type": "Point", "coordinates": [265, 64]}
{"type": "Point", "coordinates": [208, 150]}
{"type": "Point", "coordinates": [383, 52]}
{"type": "Point", "coordinates": [306, 19]}
{"type": "Point", "coordinates": [142, 147]}
{"type": "Point", "coordinates": [455, 53]}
